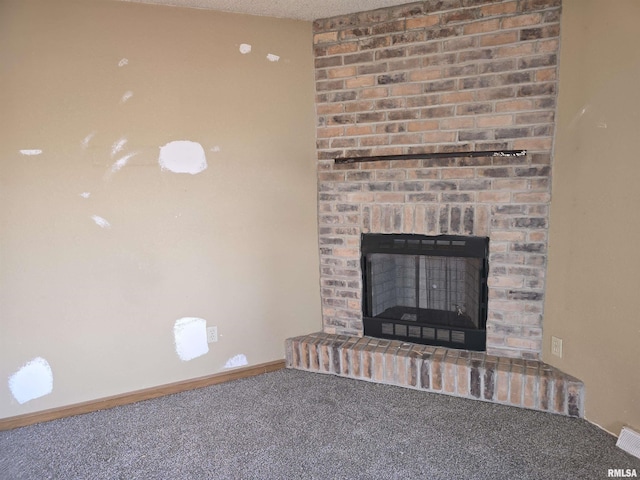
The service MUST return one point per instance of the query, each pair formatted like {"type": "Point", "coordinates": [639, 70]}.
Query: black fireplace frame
{"type": "Point", "coordinates": [423, 332]}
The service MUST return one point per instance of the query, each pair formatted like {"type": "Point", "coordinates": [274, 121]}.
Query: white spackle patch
{"type": "Point", "coordinates": [123, 62]}
{"type": "Point", "coordinates": [215, 149]}
{"type": "Point", "coordinates": [183, 156]}
{"type": "Point", "coordinates": [87, 139]}
{"type": "Point", "coordinates": [101, 222]}
{"type": "Point", "coordinates": [237, 361]}
{"type": "Point", "coordinates": [245, 48]}
{"type": "Point", "coordinates": [273, 58]}
{"type": "Point", "coordinates": [122, 162]}
{"type": "Point", "coordinates": [118, 146]}
{"type": "Point", "coordinates": [31, 153]}
{"type": "Point", "coordinates": [190, 337]}
{"type": "Point", "coordinates": [33, 380]}
{"type": "Point", "coordinates": [126, 96]}
{"type": "Point", "coordinates": [85, 194]}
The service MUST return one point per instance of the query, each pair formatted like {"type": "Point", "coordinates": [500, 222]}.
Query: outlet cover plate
{"type": "Point", "coordinates": [556, 346]}
{"type": "Point", "coordinates": [212, 334]}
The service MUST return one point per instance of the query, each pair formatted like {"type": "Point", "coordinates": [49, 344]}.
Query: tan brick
{"type": "Point", "coordinates": [498, 39]}
{"type": "Point", "coordinates": [547, 46]}
{"type": "Point", "coordinates": [521, 20]}
{"type": "Point", "coordinates": [376, 218]}
{"type": "Point", "coordinates": [326, 132]}
{"type": "Point", "coordinates": [505, 281]}
{"type": "Point", "coordinates": [386, 197]}
{"type": "Point", "coordinates": [494, 121]}
{"type": "Point", "coordinates": [419, 219]}
{"type": "Point", "coordinates": [422, 22]}
{"type": "Point", "coordinates": [456, 123]}
{"type": "Point", "coordinates": [508, 236]}
{"type": "Point", "coordinates": [462, 381]}
{"type": "Point", "coordinates": [407, 89]}
{"type": "Point", "coordinates": [360, 106]}
{"type": "Point", "coordinates": [374, 141]}
{"type": "Point", "coordinates": [341, 72]}
{"type": "Point", "coordinates": [329, 108]}
{"type": "Point", "coordinates": [516, 383]}
{"type": "Point", "coordinates": [514, 105]}
{"type": "Point", "coordinates": [449, 376]}
{"type": "Point", "coordinates": [326, 37]}
{"type": "Point", "coordinates": [457, 97]}
{"type": "Point", "coordinates": [325, 356]}
{"type": "Point", "coordinates": [420, 126]}
{"type": "Point", "coordinates": [357, 130]}
{"type": "Point", "coordinates": [425, 75]}
{"type": "Point", "coordinates": [436, 374]}
{"type": "Point", "coordinates": [498, 9]}
{"type": "Point", "coordinates": [438, 137]}
{"type": "Point", "coordinates": [408, 217]}
{"type": "Point", "coordinates": [482, 27]}
{"type": "Point", "coordinates": [513, 50]}
{"type": "Point", "coordinates": [452, 173]}
{"type": "Point", "coordinates": [482, 220]}
{"type": "Point", "coordinates": [529, 387]}
{"type": "Point", "coordinates": [367, 361]}
{"type": "Point", "coordinates": [342, 48]}
{"type": "Point", "coordinates": [406, 139]}
{"type": "Point", "coordinates": [360, 82]}
{"type": "Point", "coordinates": [378, 363]}
{"type": "Point", "coordinates": [546, 75]}
{"type": "Point", "coordinates": [494, 197]}
{"type": "Point", "coordinates": [502, 383]}
{"type": "Point", "coordinates": [314, 363]}
{"type": "Point", "coordinates": [379, 92]}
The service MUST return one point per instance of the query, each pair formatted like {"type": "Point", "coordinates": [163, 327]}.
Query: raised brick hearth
{"type": "Point", "coordinates": [474, 375]}
{"type": "Point", "coordinates": [440, 76]}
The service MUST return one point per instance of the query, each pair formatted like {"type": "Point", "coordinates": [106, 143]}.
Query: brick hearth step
{"type": "Point", "coordinates": [461, 373]}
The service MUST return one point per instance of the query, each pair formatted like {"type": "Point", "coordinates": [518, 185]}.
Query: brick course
{"type": "Point", "coordinates": [438, 77]}
{"type": "Point", "coordinates": [474, 375]}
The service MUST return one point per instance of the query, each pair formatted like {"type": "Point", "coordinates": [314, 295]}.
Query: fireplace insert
{"type": "Point", "coordinates": [426, 289]}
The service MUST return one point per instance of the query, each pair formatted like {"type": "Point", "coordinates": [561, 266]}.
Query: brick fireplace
{"type": "Point", "coordinates": [439, 77]}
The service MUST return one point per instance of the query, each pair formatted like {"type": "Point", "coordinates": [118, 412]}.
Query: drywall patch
{"type": "Point", "coordinates": [85, 194]}
{"type": "Point", "coordinates": [245, 48]}
{"type": "Point", "coordinates": [123, 62]}
{"type": "Point", "coordinates": [126, 96]}
{"type": "Point", "coordinates": [272, 58]}
{"type": "Point", "coordinates": [215, 149]}
{"type": "Point", "coordinates": [101, 222]}
{"type": "Point", "coordinates": [190, 337]}
{"type": "Point", "coordinates": [87, 139]}
{"type": "Point", "coordinates": [237, 361]}
{"type": "Point", "coordinates": [31, 152]}
{"type": "Point", "coordinates": [118, 146]}
{"type": "Point", "coordinates": [183, 156]}
{"type": "Point", "coordinates": [122, 162]}
{"type": "Point", "coordinates": [33, 380]}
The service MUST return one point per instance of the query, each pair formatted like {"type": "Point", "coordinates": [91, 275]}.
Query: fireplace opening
{"type": "Point", "coordinates": [426, 289]}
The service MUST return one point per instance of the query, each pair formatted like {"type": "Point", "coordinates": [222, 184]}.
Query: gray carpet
{"type": "Point", "coordinates": [291, 424]}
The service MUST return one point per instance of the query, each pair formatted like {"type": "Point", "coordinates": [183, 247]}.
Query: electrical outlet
{"type": "Point", "coordinates": [212, 334]}
{"type": "Point", "coordinates": [556, 346]}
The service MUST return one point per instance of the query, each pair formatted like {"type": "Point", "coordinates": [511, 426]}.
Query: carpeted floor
{"type": "Point", "coordinates": [291, 424]}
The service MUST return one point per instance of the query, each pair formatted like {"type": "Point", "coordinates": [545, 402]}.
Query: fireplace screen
{"type": "Point", "coordinates": [430, 290]}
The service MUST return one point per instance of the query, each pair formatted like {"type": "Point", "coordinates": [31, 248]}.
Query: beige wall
{"type": "Point", "coordinates": [235, 245]}
{"type": "Point", "coordinates": [594, 264]}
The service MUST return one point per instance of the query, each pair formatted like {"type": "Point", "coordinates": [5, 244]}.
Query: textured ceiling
{"type": "Point", "coordinates": [297, 9]}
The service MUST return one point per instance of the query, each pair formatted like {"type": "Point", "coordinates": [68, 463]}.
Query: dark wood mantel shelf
{"type": "Point", "coordinates": [420, 156]}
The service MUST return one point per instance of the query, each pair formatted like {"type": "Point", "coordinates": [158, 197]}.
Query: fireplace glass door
{"type": "Point", "coordinates": [430, 290]}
